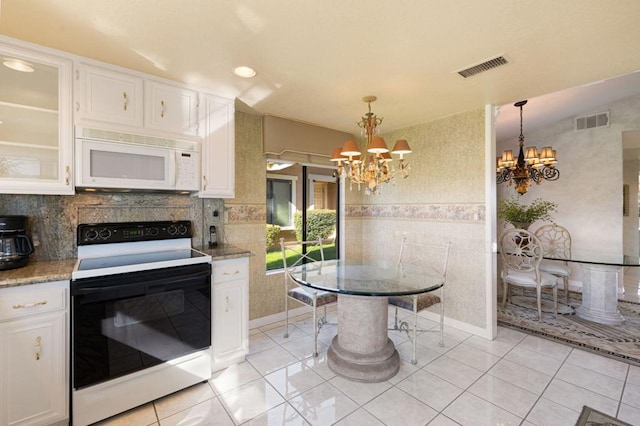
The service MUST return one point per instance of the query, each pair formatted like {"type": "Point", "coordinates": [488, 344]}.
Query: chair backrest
{"type": "Point", "coordinates": [314, 252]}
{"type": "Point", "coordinates": [303, 251]}
{"type": "Point", "coordinates": [520, 251]}
{"type": "Point", "coordinates": [424, 257]}
{"type": "Point", "coordinates": [555, 239]}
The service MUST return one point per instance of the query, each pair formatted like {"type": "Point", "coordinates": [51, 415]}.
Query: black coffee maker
{"type": "Point", "coordinates": [15, 244]}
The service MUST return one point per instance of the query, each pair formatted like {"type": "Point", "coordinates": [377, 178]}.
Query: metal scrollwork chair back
{"type": "Point", "coordinates": [305, 295]}
{"type": "Point", "coordinates": [428, 258]}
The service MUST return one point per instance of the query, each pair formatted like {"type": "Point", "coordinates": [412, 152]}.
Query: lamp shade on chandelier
{"type": "Point", "coordinates": [530, 165]}
{"type": "Point", "coordinates": [370, 166]}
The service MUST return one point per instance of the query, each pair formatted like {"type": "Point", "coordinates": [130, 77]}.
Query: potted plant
{"type": "Point", "coordinates": [522, 215]}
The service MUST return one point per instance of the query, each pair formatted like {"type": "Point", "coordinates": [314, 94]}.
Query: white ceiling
{"type": "Point", "coordinates": [316, 59]}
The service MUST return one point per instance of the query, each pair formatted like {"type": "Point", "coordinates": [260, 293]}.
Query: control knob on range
{"type": "Point", "coordinates": [172, 229]}
{"type": "Point", "coordinates": [104, 233]}
{"type": "Point", "coordinates": [91, 235]}
{"type": "Point", "coordinates": [182, 229]}
{"type": "Point", "coordinates": [151, 231]}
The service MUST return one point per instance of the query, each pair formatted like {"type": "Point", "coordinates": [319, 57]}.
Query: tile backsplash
{"type": "Point", "coordinates": [53, 219]}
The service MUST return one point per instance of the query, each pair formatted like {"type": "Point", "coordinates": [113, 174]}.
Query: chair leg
{"type": "Point", "coordinates": [414, 361]}
{"type": "Point", "coordinates": [565, 281]}
{"type": "Point", "coordinates": [286, 316]}
{"type": "Point", "coordinates": [315, 331]}
{"type": "Point", "coordinates": [396, 325]}
{"type": "Point", "coordinates": [441, 317]}
{"type": "Point", "coordinates": [505, 287]}
{"type": "Point", "coordinates": [539, 296]}
{"type": "Point", "coordinates": [555, 301]}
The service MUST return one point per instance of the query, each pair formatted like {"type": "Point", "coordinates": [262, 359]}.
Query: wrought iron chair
{"type": "Point", "coordinates": [521, 253]}
{"type": "Point", "coordinates": [424, 258]}
{"type": "Point", "coordinates": [305, 295]}
{"type": "Point", "coordinates": [556, 242]}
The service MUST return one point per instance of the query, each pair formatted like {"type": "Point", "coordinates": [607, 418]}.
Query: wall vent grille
{"type": "Point", "coordinates": [592, 121]}
{"type": "Point", "coordinates": [485, 66]}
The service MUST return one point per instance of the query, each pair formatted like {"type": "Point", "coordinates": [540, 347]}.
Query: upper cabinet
{"type": "Point", "coordinates": [171, 108]}
{"type": "Point", "coordinates": [128, 101]}
{"type": "Point", "coordinates": [36, 143]}
{"type": "Point", "coordinates": [218, 147]}
{"type": "Point", "coordinates": [107, 96]}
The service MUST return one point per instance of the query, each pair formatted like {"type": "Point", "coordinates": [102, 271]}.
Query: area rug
{"type": "Point", "coordinates": [591, 417]}
{"type": "Point", "coordinates": [617, 341]}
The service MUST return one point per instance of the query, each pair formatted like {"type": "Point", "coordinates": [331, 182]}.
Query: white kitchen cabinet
{"type": "Point", "coordinates": [229, 312]}
{"type": "Point", "coordinates": [34, 372]}
{"type": "Point", "coordinates": [218, 147]}
{"type": "Point", "coordinates": [171, 108]}
{"type": "Point", "coordinates": [114, 99]}
{"type": "Point", "coordinates": [36, 143]}
{"type": "Point", "coordinates": [108, 96]}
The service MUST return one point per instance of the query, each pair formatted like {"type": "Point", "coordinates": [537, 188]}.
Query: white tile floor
{"type": "Point", "coordinates": [516, 379]}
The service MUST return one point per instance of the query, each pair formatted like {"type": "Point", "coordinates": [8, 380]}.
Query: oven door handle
{"type": "Point", "coordinates": [151, 286]}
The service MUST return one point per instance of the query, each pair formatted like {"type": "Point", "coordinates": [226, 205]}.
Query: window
{"type": "Point", "coordinates": [281, 195]}
{"type": "Point", "coordinates": [298, 189]}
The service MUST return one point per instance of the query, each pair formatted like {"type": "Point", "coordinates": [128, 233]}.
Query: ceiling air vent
{"type": "Point", "coordinates": [485, 66]}
{"type": "Point", "coordinates": [592, 121]}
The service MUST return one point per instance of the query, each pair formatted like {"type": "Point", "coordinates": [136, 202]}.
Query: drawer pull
{"type": "Point", "coordinates": [38, 346]}
{"type": "Point", "coordinates": [125, 100]}
{"type": "Point", "coordinates": [30, 305]}
{"type": "Point", "coordinates": [227, 273]}
{"type": "Point", "coordinates": [226, 308]}
{"type": "Point", "coordinates": [162, 111]}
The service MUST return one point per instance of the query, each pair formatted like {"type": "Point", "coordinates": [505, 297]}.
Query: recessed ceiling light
{"type": "Point", "coordinates": [246, 72]}
{"type": "Point", "coordinates": [17, 64]}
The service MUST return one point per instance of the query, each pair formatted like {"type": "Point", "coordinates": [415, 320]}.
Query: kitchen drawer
{"type": "Point", "coordinates": [17, 302]}
{"type": "Point", "coordinates": [231, 269]}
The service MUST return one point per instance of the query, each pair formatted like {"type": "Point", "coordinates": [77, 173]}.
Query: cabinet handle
{"type": "Point", "coordinates": [30, 305]}
{"type": "Point", "coordinates": [77, 106]}
{"type": "Point", "coordinates": [67, 175]}
{"type": "Point", "coordinates": [206, 182]}
{"type": "Point", "coordinates": [227, 273]}
{"type": "Point", "coordinates": [38, 347]}
{"type": "Point", "coordinates": [226, 307]}
{"type": "Point", "coordinates": [125, 100]}
{"type": "Point", "coordinates": [162, 110]}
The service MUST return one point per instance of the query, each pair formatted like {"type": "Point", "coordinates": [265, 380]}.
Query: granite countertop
{"type": "Point", "coordinates": [38, 272]}
{"type": "Point", "coordinates": [224, 251]}
{"type": "Point", "coordinates": [58, 270]}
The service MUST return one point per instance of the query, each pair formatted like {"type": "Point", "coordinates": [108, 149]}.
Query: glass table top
{"type": "Point", "coordinates": [365, 278]}
{"type": "Point", "coordinates": [596, 258]}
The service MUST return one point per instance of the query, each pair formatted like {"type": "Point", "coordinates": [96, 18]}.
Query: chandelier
{"type": "Point", "coordinates": [370, 167]}
{"type": "Point", "coordinates": [532, 166]}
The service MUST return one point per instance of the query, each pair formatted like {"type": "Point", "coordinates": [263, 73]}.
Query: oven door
{"type": "Point", "coordinates": [128, 322]}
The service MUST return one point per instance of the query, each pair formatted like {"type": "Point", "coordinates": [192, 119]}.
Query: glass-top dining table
{"type": "Point", "coordinates": [362, 350]}
{"type": "Point", "coordinates": [600, 282]}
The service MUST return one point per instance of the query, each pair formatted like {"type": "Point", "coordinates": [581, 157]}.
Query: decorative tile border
{"type": "Point", "coordinates": [445, 212]}
{"type": "Point", "coordinates": [256, 213]}
{"type": "Point", "coordinates": [244, 213]}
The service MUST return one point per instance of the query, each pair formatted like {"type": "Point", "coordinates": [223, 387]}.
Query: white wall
{"type": "Point", "coordinates": [589, 191]}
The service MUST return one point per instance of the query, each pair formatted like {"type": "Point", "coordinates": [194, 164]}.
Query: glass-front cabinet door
{"type": "Point", "coordinates": [36, 143]}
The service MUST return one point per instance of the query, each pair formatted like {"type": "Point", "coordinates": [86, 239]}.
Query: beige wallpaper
{"type": "Point", "coordinates": [442, 199]}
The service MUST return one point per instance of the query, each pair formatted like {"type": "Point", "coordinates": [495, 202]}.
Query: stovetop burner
{"type": "Point", "coordinates": [116, 248]}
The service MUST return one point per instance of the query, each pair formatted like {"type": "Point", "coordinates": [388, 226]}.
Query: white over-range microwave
{"type": "Point", "coordinates": [111, 161]}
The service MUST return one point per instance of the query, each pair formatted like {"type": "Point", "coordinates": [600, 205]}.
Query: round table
{"type": "Point", "coordinates": [362, 350]}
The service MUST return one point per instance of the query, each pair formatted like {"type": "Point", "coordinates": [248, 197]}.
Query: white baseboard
{"type": "Point", "coordinates": [478, 331]}
{"type": "Point", "coordinates": [270, 319]}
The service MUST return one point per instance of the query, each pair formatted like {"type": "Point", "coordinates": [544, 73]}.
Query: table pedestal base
{"type": "Point", "coordinates": [600, 294]}
{"type": "Point", "coordinates": [362, 351]}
